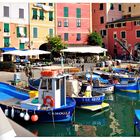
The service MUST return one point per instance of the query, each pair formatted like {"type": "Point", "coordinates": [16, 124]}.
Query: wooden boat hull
{"type": "Point", "coordinates": [104, 89]}
{"type": "Point", "coordinates": [62, 114]}
{"type": "Point", "coordinates": [86, 101]}
{"type": "Point", "coordinates": [132, 88]}
{"type": "Point", "coordinates": [137, 119]}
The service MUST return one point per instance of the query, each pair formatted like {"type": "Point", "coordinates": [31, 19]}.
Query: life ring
{"type": "Point", "coordinates": [51, 101]}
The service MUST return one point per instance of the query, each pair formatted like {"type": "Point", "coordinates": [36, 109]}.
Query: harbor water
{"type": "Point", "coordinates": [117, 120]}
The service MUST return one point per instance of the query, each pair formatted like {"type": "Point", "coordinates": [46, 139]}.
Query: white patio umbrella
{"type": "Point", "coordinates": [26, 53]}
{"type": "Point", "coordinates": [91, 49]}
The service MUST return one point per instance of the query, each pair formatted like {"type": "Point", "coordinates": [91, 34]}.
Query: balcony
{"type": "Point", "coordinates": [6, 34]}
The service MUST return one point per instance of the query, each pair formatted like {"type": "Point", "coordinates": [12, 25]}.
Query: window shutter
{"type": "Point", "coordinates": [34, 32]}
{"type": "Point", "coordinates": [78, 12]}
{"type": "Point", "coordinates": [51, 32]}
{"type": "Point", "coordinates": [6, 42]}
{"type": "Point", "coordinates": [50, 16]}
{"type": "Point", "coordinates": [6, 27]}
{"type": "Point", "coordinates": [25, 31]}
{"type": "Point", "coordinates": [66, 12]}
{"type": "Point", "coordinates": [41, 15]}
{"type": "Point", "coordinates": [34, 13]}
{"type": "Point", "coordinates": [18, 34]}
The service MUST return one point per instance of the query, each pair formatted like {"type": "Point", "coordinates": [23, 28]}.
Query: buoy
{"type": "Point", "coordinates": [34, 118]}
{"type": "Point", "coordinates": [26, 116]}
{"type": "Point", "coordinates": [6, 112]}
{"type": "Point", "coordinates": [12, 112]}
{"type": "Point", "coordinates": [22, 114]}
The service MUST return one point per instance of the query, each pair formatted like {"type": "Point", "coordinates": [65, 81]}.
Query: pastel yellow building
{"type": "Point", "coordinates": [41, 23]}
{"type": "Point", "coordinates": [131, 9]}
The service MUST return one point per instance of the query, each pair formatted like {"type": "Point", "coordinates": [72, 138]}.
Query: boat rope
{"type": "Point", "coordinates": [53, 118]}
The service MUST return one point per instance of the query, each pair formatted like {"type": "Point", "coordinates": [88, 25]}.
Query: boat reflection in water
{"type": "Point", "coordinates": [84, 124]}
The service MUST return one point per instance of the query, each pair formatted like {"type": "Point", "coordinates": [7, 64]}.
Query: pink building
{"type": "Point", "coordinates": [73, 22]}
{"type": "Point", "coordinates": [103, 13]}
{"type": "Point", "coordinates": [127, 30]}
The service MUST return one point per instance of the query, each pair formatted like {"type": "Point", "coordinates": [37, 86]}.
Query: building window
{"type": "Point", "coordinates": [66, 12]}
{"type": "Point", "coordinates": [21, 31]}
{"type": "Point", "coordinates": [50, 4]}
{"type": "Point", "coordinates": [120, 7]}
{"type": "Point", "coordinates": [78, 23]}
{"type": "Point", "coordinates": [138, 33]}
{"type": "Point", "coordinates": [103, 32]}
{"type": "Point", "coordinates": [124, 24]}
{"type": "Point", "coordinates": [101, 6]}
{"type": "Point", "coordinates": [129, 9]}
{"type": "Point", "coordinates": [123, 34]}
{"type": "Point", "coordinates": [6, 42]}
{"type": "Point", "coordinates": [34, 13]}
{"type": "Point", "coordinates": [51, 32]}
{"type": "Point", "coordinates": [78, 37]}
{"type": "Point", "coordinates": [119, 24]}
{"type": "Point", "coordinates": [35, 33]}
{"type": "Point", "coordinates": [78, 12]}
{"type": "Point", "coordinates": [6, 11]}
{"type": "Point", "coordinates": [111, 6]}
{"type": "Point", "coordinates": [66, 36]}
{"type": "Point", "coordinates": [59, 24]}
{"type": "Point", "coordinates": [41, 17]}
{"type": "Point", "coordinates": [66, 24]}
{"type": "Point", "coordinates": [50, 16]}
{"type": "Point", "coordinates": [137, 22]}
{"type": "Point", "coordinates": [6, 27]}
{"type": "Point", "coordinates": [114, 35]}
{"type": "Point", "coordinates": [101, 20]}
{"type": "Point", "coordinates": [21, 13]}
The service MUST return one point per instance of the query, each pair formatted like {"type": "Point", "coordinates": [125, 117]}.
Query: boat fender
{"type": "Point", "coordinates": [48, 100]}
{"type": "Point", "coordinates": [26, 116]}
{"type": "Point", "coordinates": [12, 112]}
{"type": "Point", "coordinates": [34, 118]}
{"type": "Point", "coordinates": [22, 114]}
{"type": "Point", "coordinates": [6, 112]}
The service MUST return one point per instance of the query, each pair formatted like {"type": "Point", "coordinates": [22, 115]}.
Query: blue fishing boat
{"type": "Point", "coordinates": [133, 87]}
{"type": "Point", "coordinates": [50, 105]}
{"type": "Point", "coordinates": [137, 119]}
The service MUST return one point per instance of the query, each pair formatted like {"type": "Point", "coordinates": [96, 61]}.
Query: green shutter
{"type": "Point", "coordinates": [51, 32]}
{"type": "Point", "coordinates": [21, 46]}
{"type": "Point", "coordinates": [50, 16]}
{"type": "Point", "coordinates": [18, 34]}
{"type": "Point", "coordinates": [6, 27]}
{"type": "Point", "coordinates": [34, 13]}
{"type": "Point", "coordinates": [78, 12]}
{"type": "Point", "coordinates": [25, 31]}
{"type": "Point", "coordinates": [41, 15]}
{"type": "Point", "coordinates": [34, 32]}
{"type": "Point", "coordinates": [66, 10]}
{"type": "Point", "coordinates": [6, 42]}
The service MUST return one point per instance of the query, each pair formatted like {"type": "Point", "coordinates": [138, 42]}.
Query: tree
{"type": "Point", "coordinates": [55, 44]}
{"type": "Point", "coordinates": [95, 39]}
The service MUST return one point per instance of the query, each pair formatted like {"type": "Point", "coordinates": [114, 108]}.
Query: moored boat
{"type": "Point", "coordinates": [51, 105]}
{"type": "Point", "coordinates": [137, 119]}
{"type": "Point", "coordinates": [133, 87]}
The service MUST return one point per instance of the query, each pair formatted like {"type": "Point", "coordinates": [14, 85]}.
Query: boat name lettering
{"type": "Point", "coordinates": [59, 113]}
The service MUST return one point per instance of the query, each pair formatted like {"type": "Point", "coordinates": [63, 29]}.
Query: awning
{"type": "Point", "coordinates": [90, 49]}
{"type": "Point", "coordinates": [26, 53]}
{"type": "Point", "coordinates": [6, 49]}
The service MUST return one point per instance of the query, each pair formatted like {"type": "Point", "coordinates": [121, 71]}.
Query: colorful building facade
{"type": "Point", "coordinates": [103, 13]}
{"type": "Point", "coordinates": [127, 29]}
{"type": "Point", "coordinates": [14, 24]}
{"type": "Point", "coordinates": [73, 22]}
{"type": "Point", "coordinates": [41, 23]}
